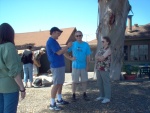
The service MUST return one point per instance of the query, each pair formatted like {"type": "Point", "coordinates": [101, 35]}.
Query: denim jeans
{"type": "Point", "coordinates": [28, 70]}
{"type": "Point", "coordinates": [9, 102]}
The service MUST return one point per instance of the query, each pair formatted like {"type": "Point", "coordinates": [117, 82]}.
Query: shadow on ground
{"type": "Point", "coordinates": [127, 97]}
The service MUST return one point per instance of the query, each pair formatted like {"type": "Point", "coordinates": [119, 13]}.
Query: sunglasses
{"type": "Point", "coordinates": [78, 36]}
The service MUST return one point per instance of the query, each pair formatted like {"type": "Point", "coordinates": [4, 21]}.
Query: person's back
{"type": "Point", "coordinates": [10, 69]}
{"type": "Point", "coordinates": [27, 57]}
{"type": "Point", "coordinates": [5, 64]}
{"type": "Point", "coordinates": [27, 66]}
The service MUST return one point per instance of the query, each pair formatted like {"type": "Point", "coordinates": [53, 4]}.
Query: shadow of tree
{"type": "Point", "coordinates": [127, 97]}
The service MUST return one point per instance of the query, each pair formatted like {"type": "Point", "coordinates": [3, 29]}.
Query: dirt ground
{"type": "Point", "coordinates": [127, 97]}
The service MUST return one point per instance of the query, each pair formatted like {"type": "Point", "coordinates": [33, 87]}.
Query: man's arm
{"type": "Point", "coordinates": [69, 57]}
{"type": "Point", "coordinates": [37, 63]}
{"type": "Point", "coordinates": [87, 62]}
{"type": "Point", "coordinates": [63, 50]}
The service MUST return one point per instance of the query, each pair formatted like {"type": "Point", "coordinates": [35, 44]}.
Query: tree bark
{"type": "Point", "coordinates": [112, 23]}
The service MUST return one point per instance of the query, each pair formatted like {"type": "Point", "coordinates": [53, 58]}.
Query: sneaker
{"type": "Point", "coordinates": [99, 98]}
{"type": "Point", "coordinates": [106, 100]}
{"type": "Point", "coordinates": [85, 97]}
{"type": "Point", "coordinates": [61, 102]}
{"type": "Point", "coordinates": [54, 107]}
{"type": "Point", "coordinates": [31, 86]}
{"type": "Point", "coordinates": [26, 86]}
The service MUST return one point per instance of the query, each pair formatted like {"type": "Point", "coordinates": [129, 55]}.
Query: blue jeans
{"type": "Point", "coordinates": [9, 102]}
{"type": "Point", "coordinates": [28, 70]}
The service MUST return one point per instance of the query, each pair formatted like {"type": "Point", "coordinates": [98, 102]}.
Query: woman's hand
{"type": "Point", "coordinates": [23, 94]}
{"type": "Point", "coordinates": [100, 58]}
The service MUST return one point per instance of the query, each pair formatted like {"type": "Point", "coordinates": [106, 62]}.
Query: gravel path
{"type": "Point", "coordinates": [127, 97]}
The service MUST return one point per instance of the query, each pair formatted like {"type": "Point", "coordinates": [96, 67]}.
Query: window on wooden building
{"type": "Point", "coordinates": [139, 52]}
{"type": "Point", "coordinates": [125, 53]}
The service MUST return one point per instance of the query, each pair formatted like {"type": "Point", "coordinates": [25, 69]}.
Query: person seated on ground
{"type": "Point", "coordinates": [42, 81]}
{"type": "Point", "coordinates": [36, 61]}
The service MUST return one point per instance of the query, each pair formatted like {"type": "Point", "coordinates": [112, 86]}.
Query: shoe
{"type": "Point", "coordinates": [106, 100]}
{"type": "Point", "coordinates": [61, 102]}
{"type": "Point", "coordinates": [99, 98]}
{"type": "Point", "coordinates": [54, 107]}
{"type": "Point", "coordinates": [74, 98]}
{"type": "Point", "coordinates": [85, 97]}
{"type": "Point", "coordinates": [31, 86]}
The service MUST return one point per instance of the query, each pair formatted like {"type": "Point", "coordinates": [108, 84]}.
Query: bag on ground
{"type": "Point", "coordinates": [37, 82]}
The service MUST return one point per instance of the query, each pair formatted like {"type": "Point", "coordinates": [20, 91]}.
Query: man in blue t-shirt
{"type": "Point", "coordinates": [80, 61]}
{"type": "Point", "coordinates": [57, 65]}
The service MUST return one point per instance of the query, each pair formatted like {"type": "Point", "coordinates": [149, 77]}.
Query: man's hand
{"type": "Point", "coordinates": [72, 58]}
{"type": "Point", "coordinates": [87, 68]}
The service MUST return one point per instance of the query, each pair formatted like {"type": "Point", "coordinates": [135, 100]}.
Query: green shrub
{"type": "Point", "coordinates": [130, 69]}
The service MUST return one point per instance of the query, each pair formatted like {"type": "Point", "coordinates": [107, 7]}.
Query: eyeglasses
{"type": "Point", "coordinates": [78, 35]}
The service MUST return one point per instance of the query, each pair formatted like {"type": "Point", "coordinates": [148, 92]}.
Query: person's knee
{"type": "Point", "coordinates": [57, 85]}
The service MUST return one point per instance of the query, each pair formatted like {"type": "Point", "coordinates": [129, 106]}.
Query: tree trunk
{"type": "Point", "coordinates": [112, 23]}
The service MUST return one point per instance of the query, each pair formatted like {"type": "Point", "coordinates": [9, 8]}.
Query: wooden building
{"type": "Point", "coordinates": [39, 39]}
{"type": "Point", "coordinates": [136, 46]}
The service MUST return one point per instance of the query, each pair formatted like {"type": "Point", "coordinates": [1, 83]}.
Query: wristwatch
{"type": "Point", "coordinates": [22, 90]}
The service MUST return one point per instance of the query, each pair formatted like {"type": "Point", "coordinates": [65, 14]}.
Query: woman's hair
{"type": "Point", "coordinates": [107, 39]}
{"type": "Point", "coordinates": [6, 33]}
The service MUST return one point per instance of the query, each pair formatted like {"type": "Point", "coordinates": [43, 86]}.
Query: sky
{"type": "Point", "coordinates": [39, 15]}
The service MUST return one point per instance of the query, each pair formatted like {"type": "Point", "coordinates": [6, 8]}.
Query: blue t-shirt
{"type": "Point", "coordinates": [80, 51]}
{"type": "Point", "coordinates": [55, 60]}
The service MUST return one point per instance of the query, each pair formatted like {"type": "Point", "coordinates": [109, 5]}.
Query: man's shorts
{"type": "Point", "coordinates": [82, 73]}
{"type": "Point", "coordinates": [58, 75]}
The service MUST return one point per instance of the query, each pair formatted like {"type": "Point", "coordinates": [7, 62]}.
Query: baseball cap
{"type": "Point", "coordinates": [53, 29]}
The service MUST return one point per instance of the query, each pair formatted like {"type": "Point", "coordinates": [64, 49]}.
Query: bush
{"type": "Point", "coordinates": [130, 69]}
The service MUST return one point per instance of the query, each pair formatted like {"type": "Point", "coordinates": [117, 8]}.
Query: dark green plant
{"type": "Point", "coordinates": [130, 69]}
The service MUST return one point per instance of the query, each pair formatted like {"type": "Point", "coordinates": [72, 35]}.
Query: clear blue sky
{"type": "Point", "coordinates": [35, 15]}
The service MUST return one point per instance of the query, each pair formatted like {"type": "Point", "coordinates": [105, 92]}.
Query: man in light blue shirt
{"type": "Point", "coordinates": [80, 63]}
